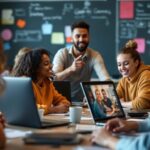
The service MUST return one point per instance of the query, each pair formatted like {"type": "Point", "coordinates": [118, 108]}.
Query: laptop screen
{"type": "Point", "coordinates": [102, 100]}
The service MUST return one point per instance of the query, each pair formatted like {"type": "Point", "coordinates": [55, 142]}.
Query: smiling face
{"type": "Point", "coordinates": [45, 68]}
{"type": "Point", "coordinates": [104, 93]}
{"type": "Point", "coordinates": [127, 66]}
{"type": "Point", "coordinates": [98, 95]}
{"type": "Point", "coordinates": [80, 37]}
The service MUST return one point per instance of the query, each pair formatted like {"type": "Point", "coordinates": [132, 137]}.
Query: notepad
{"type": "Point", "coordinates": [52, 138]}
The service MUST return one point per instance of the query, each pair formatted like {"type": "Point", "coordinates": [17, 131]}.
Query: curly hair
{"type": "Point", "coordinates": [30, 62]}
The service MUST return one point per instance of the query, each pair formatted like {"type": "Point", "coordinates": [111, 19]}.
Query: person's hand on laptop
{"type": "Point", "coordinates": [119, 125]}
{"type": "Point", "coordinates": [104, 137]}
{"type": "Point", "coordinates": [61, 108]}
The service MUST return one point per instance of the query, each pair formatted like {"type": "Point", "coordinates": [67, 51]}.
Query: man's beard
{"type": "Point", "coordinates": [82, 48]}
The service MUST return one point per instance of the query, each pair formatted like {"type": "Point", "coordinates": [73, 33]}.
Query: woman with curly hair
{"type": "Point", "coordinates": [36, 64]}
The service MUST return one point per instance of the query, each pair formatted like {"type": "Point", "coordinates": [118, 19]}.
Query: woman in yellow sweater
{"type": "Point", "coordinates": [36, 64]}
{"type": "Point", "coordinates": [134, 87]}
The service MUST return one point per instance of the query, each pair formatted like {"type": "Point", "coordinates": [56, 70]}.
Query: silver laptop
{"type": "Point", "coordinates": [102, 100]}
{"type": "Point", "coordinates": [19, 106]}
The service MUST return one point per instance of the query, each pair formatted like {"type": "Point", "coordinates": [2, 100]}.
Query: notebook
{"type": "Point", "coordinates": [19, 106]}
{"type": "Point", "coordinates": [102, 100]}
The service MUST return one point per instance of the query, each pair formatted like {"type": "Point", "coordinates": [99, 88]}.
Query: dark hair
{"type": "Point", "coordinates": [131, 48]}
{"type": "Point", "coordinates": [80, 24]}
{"type": "Point", "coordinates": [102, 90]}
{"type": "Point", "coordinates": [30, 63]}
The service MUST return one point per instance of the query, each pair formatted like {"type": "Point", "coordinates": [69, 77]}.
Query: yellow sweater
{"type": "Point", "coordinates": [47, 96]}
{"type": "Point", "coordinates": [136, 89]}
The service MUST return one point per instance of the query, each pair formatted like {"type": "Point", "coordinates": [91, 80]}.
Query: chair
{"type": "Point", "coordinates": [64, 88]}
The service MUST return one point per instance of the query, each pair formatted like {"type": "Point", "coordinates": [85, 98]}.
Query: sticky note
{"type": "Point", "coordinates": [7, 46]}
{"type": "Point", "coordinates": [68, 39]}
{"type": "Point", "coordinates": [127, 9]}
{"type": "Point", "coordinates": [141, 44]}
{"type": "Point", "coordinates": [57, 38]}
{"type": "Point", "coordinates": [21, 23]}
{"type": "Point", "coordinates": [47, 28]}
{"type": "Point", "coordinates": [67, 31]}
{"type": "Point", "coordinates": [6, 34]}
{"type": "Point", "coordinates": [7, 17]}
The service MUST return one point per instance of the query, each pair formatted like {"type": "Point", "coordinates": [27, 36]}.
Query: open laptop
{"type": "Point", "coordinates": [19, 106]}
{"type": "Point", "coordinates": [64, 88]}
{"type": "Point", "coordinates": [102, 100]}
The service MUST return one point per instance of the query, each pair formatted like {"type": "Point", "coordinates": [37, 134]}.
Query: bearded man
{"type": "Point", "coordinates": [76, 63]}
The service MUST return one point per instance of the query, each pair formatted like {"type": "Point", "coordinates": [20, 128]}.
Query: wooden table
{"type": "Point", "coordinates": [18, 143]}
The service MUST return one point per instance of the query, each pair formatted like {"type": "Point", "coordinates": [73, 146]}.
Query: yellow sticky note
{"type": "Point", "coordinates": [57, 38]}
{"type": "Point", "coordinates": [7, 17]}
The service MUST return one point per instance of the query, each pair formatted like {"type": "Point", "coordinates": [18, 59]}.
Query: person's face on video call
{"type": "Point", "coordinates": [45, 69]}
{"type": "Point", "coordinates": [80, 37]}
{"type": "Point", "coordinates": [126, 65]}
{"type": "Point", "coordinates": [98, 95]}
{"type": "Point", "coordinates": [104, 94]}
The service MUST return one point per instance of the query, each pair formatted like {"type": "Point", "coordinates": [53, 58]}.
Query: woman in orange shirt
{"type": "Point", "coordinates": [36, 64]}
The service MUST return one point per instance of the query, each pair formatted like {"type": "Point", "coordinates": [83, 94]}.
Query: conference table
{"type": "Point", "coordinates": [17, 143]}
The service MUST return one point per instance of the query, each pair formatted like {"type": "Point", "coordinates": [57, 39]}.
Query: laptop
{"type": "Point", "coordinates": [102, 100]}
{"type": "Point", "coordinates": [64, 88]}
{"type": "Point", "coordinates": [19, 107]}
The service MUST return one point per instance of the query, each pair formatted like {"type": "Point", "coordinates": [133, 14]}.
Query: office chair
{"type": "Point", "coordinates": [64, 88]}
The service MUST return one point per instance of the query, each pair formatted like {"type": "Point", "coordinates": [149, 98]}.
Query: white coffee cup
{"type": "Point", "coordinates": [41, 113]}
{"type": "Point", "coordinates": [126, 110]}
{"type": "Point", "coordinates": [75, 113]}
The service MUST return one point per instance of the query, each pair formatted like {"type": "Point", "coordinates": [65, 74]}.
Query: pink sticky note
{"type": "Point", "coordinates": [127, 9]}
{"type": "Point", "coordinates": [6, 34]}
{"type": "Point", "coordinates": [141, 44]}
